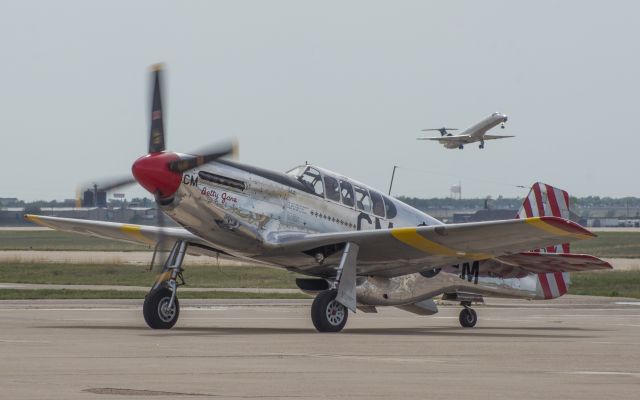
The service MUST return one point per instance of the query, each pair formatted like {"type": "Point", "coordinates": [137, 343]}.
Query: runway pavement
{"type": "Point", "coordinates": [573, 348]}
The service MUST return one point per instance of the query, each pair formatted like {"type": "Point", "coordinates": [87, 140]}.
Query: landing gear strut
{"type": "Point", "coordinates": [327, 314]}
{"type": "Point", "coordinates": [468, 317]}
{"type": "Point", "coordinates": [481, 145]}
{"type": "Point", "coordinates": [161, 307]}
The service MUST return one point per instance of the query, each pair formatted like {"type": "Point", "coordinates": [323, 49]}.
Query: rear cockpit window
{"type": "Point", "coordinates": [312, 180]}
{"type": "Point", "coordinates": [363, 201]}
{"type": "Point", "coordinates": [378, 205]}
{"type": "Point", "coordinates": [390, 207]}
{"type": "Point", "coordinates": [332, 188]}
{"type": "Point", "coordinates": [347, 193]}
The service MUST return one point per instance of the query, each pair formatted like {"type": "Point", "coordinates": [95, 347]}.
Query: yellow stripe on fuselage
{"type": "Point", "coordinates": [135, 232]}
{"type": "Point", "coordinates": [540, 224]}
{"type": "Point", "coordinates": [411, 237]}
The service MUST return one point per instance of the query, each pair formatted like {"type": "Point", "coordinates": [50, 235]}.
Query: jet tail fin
{"type": "Point", "coordinates": [546, 200]}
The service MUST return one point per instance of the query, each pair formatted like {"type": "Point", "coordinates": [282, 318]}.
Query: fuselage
{"type": "Point", "coordinates": [476, 132]}
{"type": "Point", "coordinates": [241, 209]}
{"type": "Point", "coordinates": [481, 128]}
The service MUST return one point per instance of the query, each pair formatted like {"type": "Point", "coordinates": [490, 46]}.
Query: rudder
{"type": "Point", "coordinates": [546, 200]}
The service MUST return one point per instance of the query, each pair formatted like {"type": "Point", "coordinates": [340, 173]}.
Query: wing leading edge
{"type": "Point", "coordinates": [141, 234]}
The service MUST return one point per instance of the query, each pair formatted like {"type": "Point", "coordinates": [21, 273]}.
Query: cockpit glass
{"type": "Point", "coordinates": [363, 201]}
{"type": "Point", "coordinates": [312, 180]}
{"type": "Point", "coordinates": [297, 171]}
{"type": "Point", "coordinates": [332, 188]}
{"type": "Point", "coordinates": [392, 211]}
{"type": "Point", "coordinates": [378, 205]}
{"type": "Point", "coordinates": [346, 190]}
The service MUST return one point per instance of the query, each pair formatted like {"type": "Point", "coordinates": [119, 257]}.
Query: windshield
{"type": "Point", "coordinates": [297, 171]}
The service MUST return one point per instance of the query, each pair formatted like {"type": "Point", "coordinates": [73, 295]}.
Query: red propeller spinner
{"type": "Point", "coordinates": [152, 172]}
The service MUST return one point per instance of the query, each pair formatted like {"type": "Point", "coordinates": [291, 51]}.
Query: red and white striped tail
{"type": "Point", "coordinates": [546, 200]}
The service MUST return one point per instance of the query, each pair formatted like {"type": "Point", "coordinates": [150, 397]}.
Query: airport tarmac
{"type": "Point", "coordinates": [571, 348]}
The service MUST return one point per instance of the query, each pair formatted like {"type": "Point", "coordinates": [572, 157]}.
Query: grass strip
{"type": "Point", "coordinates": [56, 240]}
{"type": "Point", "coordinates": [610, 245]}
{"type": "Point", "coordinates": [606, 283]}
{"type": "Point", "coordinates": [137, 275]}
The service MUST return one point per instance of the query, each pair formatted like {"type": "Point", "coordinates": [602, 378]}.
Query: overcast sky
{"type": "Point", "coordinates": [346, 85]}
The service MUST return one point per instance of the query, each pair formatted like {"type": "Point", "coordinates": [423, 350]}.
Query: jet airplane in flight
{"type": "Point", "coordinates": [475, 133]}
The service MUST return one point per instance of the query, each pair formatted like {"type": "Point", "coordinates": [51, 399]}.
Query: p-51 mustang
{"type": "Point", "coordinates": [358, 248]}
{"type": "Point", "coordinates": [476, 133]}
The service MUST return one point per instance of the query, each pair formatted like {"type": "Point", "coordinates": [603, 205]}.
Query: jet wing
{"type": "Point", "coordinates": [141, 234]}
{"type": "Point", "coordinates": [400, 251]}
{"type": "Point", "coordinates": [448, 139]}
{"type": "Point", "coordinates": [492, 137]}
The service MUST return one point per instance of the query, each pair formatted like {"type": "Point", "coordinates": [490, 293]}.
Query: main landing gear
{"type": "Point", "coordinates": [468, 317]}
{"type": "Point", "coordinates": [481, 145]}
{"type": "Point", "coordinates": [330, 308]}
{"type": "Point", "coordinates": [161, 306]}
{"type": "Point", "coordinates": [327, 314]}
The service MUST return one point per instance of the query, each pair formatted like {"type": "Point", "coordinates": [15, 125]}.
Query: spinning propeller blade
{"type": "Point", "coordinates": [156, 133]}
{"type": "Point", "coordinates": [160, 171]}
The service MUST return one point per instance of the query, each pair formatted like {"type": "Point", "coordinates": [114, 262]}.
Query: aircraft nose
{"type": "Point", "coordinates": [152, 172]}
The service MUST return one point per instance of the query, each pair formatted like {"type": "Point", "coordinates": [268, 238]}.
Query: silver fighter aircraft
{"type": "Point", "coordinates": [354, 247]}
{"type": "Point", "coordinates": [476, 133]}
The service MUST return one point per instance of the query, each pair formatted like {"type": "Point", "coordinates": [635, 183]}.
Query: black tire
{"type": "Point", "coordinates": [468, 318]}
{"type": "Point", "coordinates": [327, 314]}
{"type": "Point", "coordinates": [157, 316]}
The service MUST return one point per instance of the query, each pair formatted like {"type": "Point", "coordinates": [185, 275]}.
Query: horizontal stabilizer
{"type": "Point", "coordinates": [535, 262]}
{"type": "Point", "coordinates": [523, 264]}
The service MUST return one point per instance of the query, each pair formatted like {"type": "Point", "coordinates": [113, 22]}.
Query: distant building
{"type": "Point", "coordinates": [8, 201]}
{"type": "Point", "coordinates": [94, 198]}
{"type": "Point", "coordinates": [483, 215]}
{"type": "Point", "coordinates": [13, 216]}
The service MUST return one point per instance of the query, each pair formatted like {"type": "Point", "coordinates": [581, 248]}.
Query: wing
{"type": "Point", "coordinates": [522, 264]}
{"type": "Point", "coordinates": [448, 139]}
{"type": "Point", "coordinates": [400, 251]}
{"type": "Point", "coordinates": [492, 137]}
{"type": "Point", "coordinates": [142, 234]}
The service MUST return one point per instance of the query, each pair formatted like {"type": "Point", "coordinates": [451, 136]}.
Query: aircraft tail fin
{"type": "Point", "coordinates": [546, 200]}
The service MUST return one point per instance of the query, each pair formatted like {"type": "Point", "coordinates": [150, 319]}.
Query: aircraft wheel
{"type": "Point", "coordinates": [461, 147]}
{"type": "Point", "coordinates": [468, 318]}
{"type": "Point", "coordinates": [327, 314]}
{"type": "Point", "coordinates": [156, 311]}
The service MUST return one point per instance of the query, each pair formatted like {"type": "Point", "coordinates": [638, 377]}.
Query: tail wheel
{"type": "Point", "coordinates": [327, 314]}
{"type": "Point", "coordinates": [156, 310]}
{"type": "Point", "coordinates": [468, 318]}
